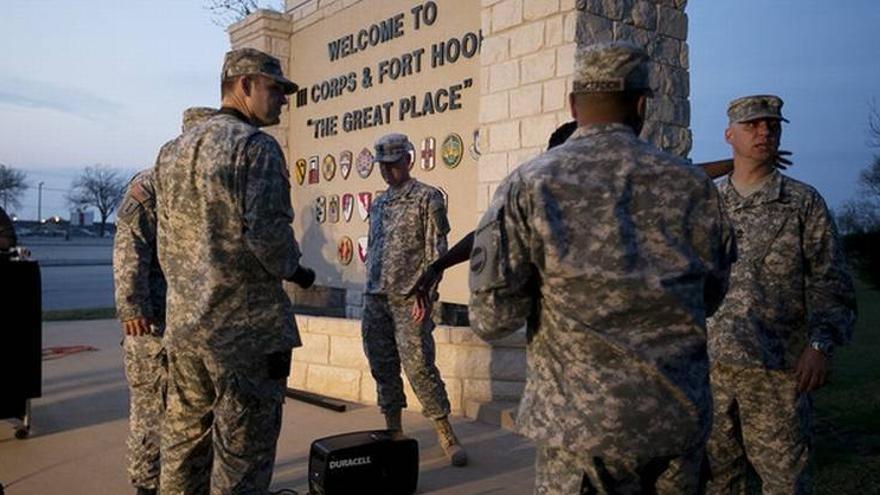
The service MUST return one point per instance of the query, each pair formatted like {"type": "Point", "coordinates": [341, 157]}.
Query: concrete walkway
{"type": "Point", "coordinates": [77, 445]}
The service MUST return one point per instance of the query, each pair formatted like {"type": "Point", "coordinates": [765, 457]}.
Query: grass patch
{"type": "Point", "coordinates": [79, 314]}
{"type": "Point", "coordinates": [847, 420]}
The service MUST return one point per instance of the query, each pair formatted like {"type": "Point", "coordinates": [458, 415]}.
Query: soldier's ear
{"type": "Point", "coordinates": [642, 106]}
{"type": "Point", "coordinates": [246, 83]}
{"type": "Point", "coordinates": [572, 104]}
{"type": "Point", "coordinates": [728, 135]}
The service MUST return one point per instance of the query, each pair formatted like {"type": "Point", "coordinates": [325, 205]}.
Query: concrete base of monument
{"type": "Point", "coordinates": [331, 362]}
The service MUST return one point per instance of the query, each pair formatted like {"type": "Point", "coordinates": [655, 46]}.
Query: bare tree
{"type": "Point", "coordinates": [12, 186]}
{"type": "Point", "coordinates": [99, 186]}
{"type": "Point", "coordinates": [226, 12]}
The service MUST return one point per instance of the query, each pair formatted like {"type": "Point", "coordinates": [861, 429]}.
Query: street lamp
{"type": "Point", "coordinates": [39, 202]}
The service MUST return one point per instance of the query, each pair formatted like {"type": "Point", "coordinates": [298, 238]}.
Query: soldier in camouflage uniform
{"type": "Point", "coordinates": [408, 228]}
{"type": "Point", "coordinates": [225, 245]}
{"type": "Point", "coordinates": [140, 305]}
{"type": "Point", "coordinates": [790, 302]}
{"type": "Point", "coordinates": [611, 253]}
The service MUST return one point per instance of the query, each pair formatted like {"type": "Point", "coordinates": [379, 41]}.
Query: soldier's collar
{"type": "Point", "coordinates": [593, 129]}
{"type": "Point", "coordinates": [400, 191]}
{"type": "Point", "coordinates": [772, 191]}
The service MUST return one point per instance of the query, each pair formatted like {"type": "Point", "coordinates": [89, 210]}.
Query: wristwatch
{"type": "Point", "coordinates": [825, 348]}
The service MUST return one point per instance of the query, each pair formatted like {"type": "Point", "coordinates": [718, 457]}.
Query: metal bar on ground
{"type": "Point", "coordinates": [317, 400]}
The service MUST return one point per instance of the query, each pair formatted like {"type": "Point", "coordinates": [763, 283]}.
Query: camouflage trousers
{"type": "Point", "coordinates": [144, 360]}
{"type": "Point", "coordinates": [562, 472]}
{"type": "Point", "coordinates": [221, 425]}
{"type": "Point", "coordinates": [391, 338]}
{"type": "Point", "coordinates": [759, 419]}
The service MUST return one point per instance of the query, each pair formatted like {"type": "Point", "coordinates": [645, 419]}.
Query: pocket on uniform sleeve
{"type": "Point", "coordinates": [488, 256]}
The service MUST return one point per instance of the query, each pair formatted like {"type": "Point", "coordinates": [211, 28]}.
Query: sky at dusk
{"type": "Point", "coordinates": [89, 82]}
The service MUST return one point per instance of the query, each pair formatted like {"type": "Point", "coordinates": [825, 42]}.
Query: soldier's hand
{"type": "Point", "coordinates": [781, 160]}
{"type": "Point", "coordinates": [421, 307]}
{"type": "Point", "coordinates": [811, 370]}
{"type": "Point", "coordinates": [136, 327]}
{"type": "Point", "coordinates": [303, 277]}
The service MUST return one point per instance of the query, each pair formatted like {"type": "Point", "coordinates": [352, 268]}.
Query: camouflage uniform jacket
{"type": "Point", "coordinates": [408, 228]}
{"type": "Point", "coordinates": [790, 285]}
{"type": "Point", "coordinates": [225, 240]}
{"type": "Point", "coordinates": [138, 280]}
{"type": "Point", "coordinates": [611, 252]}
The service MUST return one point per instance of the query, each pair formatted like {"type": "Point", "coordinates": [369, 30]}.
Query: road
{"type": "Point", "coordinates": [76, 274]}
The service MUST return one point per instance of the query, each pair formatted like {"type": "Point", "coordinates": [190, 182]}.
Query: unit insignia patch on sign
{"type": "Point", "coordinates": [333, 209]}
{"type": "Point", "coordinates": [345, 250]}
{"type": "Point", "coordinates": [428, 154]}
{"type": "Point", "coordinates": [328, 167]}
{"type": "Point", "coordinates": [347, 206]}
{"type": "Point", "coordinates": [314, 173]}
{"type": "Point", "coordinates": [365, 199]}
{"type": "Point", "coordinates": [300, 170]}
{"type": "Point", "coordinates": [345, 164]}
{"type": "Point", "coordinates": [365, 163]}
{"type": "Point", "coordinates": [452, 150]}
{"type": "Point", "coordinates": [320, 209]}
{"type": "Point", "coordinates": [362, 248]}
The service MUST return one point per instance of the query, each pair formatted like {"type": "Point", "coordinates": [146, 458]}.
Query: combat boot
{"type": "Point", "coordinates": [393, 422]}
{"type": "Point", "coordinates": [449, 442]}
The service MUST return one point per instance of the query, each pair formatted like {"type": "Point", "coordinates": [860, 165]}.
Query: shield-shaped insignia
{"type": "Point", "coordinates": [333, 209]}
{"type": "Point", "coordinates": [362, 248]}
{"type": "Point", "coordinates": [328, 167]}
{"type": "Point", "coordinates": [347, 206]}
{"type": "Point", "coordinates": [365, 200]}
{"type": "Point", "coordinates": [314, 173]}
{"type": "Point", "coordinates": [428, 152]}
{"type": "Point", "coordinates": [300, 171]}
{"type": "Point", "coordinates": [452, 150]}
{"type": "Point", "coordinates": [345, 250]}
{"type": "Point", "coordinates": [320, 209]}
{"type": "Point", "coordinates": [345, 163]}
{"type": "Point", "coordinates": [365, 163]}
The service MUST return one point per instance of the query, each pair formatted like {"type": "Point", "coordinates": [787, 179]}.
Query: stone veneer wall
{"type": "Point", "coordinates": [332, 362]}
{"type": "Point", "coordinates": [527, 66]}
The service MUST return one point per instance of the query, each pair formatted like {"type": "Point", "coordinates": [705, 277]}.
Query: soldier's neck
{"type": "Point", "coordinates": [747, 172]}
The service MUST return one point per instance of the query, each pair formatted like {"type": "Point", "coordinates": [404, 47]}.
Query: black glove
{"type": "Point", "coordinates": [303, 277]}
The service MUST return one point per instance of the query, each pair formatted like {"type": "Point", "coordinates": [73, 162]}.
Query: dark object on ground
{"type": "Point", "coordinates": [374, 461]}
{"type": "Point", "coordinates": [21, 352]}
{"type": "Point", "coordinates": [317, 400]}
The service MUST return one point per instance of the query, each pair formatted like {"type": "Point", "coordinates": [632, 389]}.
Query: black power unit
{"type": "Point", "coordinates": [364, 462]}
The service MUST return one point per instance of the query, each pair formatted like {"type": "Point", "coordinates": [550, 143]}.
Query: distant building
{"type": "Point", "coordinates": [82, 218]}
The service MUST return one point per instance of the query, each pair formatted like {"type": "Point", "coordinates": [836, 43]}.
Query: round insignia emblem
{"type": "Point", "coordinates": [345, 250]}
{"type": "Point", "coordinates": [365, 163]}
{"type": "Point", "coordinates": [328, 167]}
{"type": "Point", "coordinates": [300, 171]}
{"type": "Point", "coordinates": [452, 150]}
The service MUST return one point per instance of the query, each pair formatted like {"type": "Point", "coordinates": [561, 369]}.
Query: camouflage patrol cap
{"type": "Point", "coordinates": [392, 147]}
{"type": "Point", "coordinates": [193, 115]}
{"type": "Point", "coordinates": [755, 107]}
{"type": "Point", "coordinates": [610, 67]}
{"type": "Point", "coordinates": [249, 61]}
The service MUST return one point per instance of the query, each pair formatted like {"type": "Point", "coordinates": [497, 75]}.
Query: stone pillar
{"type": "Point", "coordinates": [527, 59]}
{"type": "Point", "coordinates": [660, 27]}
{"type": "Point", "coordinates": [268, 31]}
{"type": "Point", "coordinates": [527, 64]}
